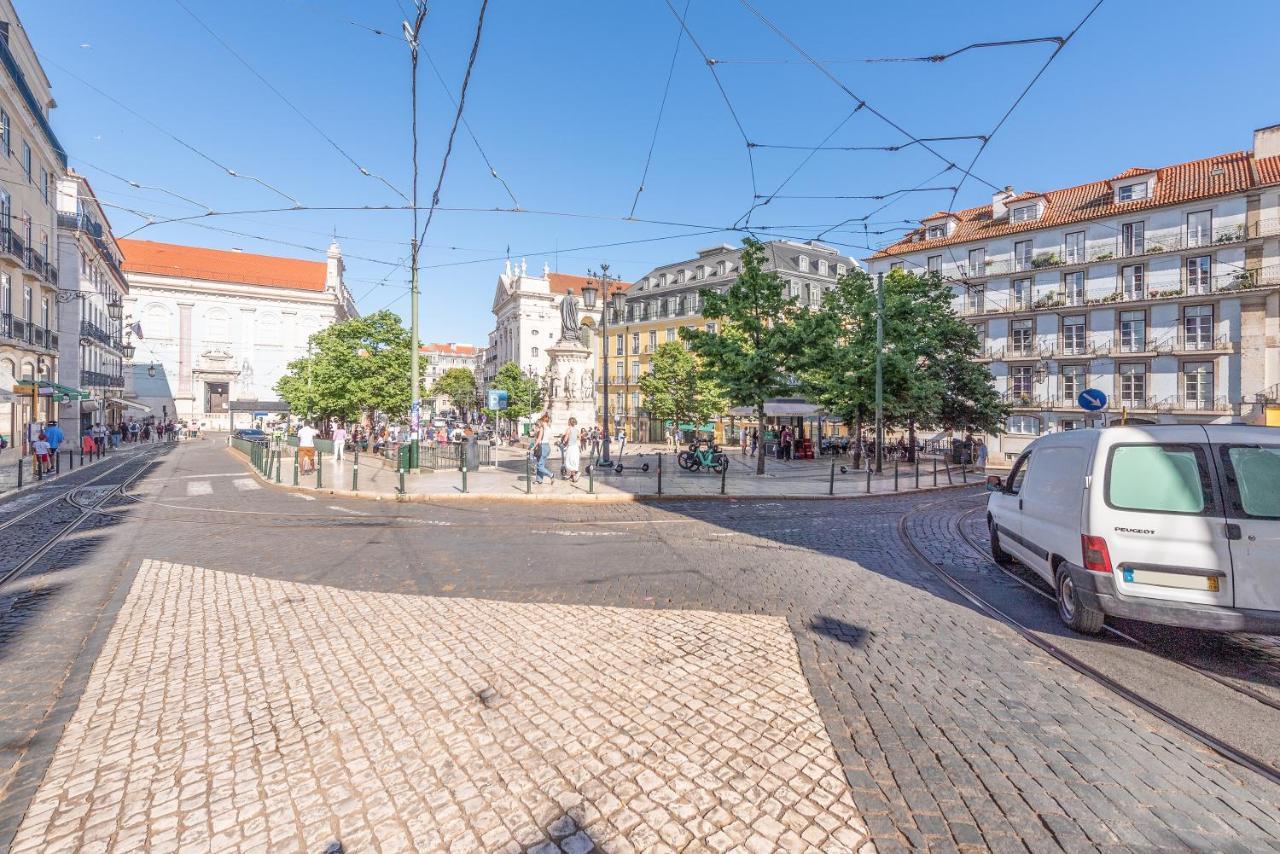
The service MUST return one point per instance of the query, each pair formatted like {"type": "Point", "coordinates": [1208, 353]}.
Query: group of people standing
{"type": "Point", "coordinates": [573, 443]}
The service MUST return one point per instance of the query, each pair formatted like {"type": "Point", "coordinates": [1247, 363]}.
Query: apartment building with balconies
{"type": "Point", "coordinates": [92, 289]}
{"type": "Point", "coordinates": [1158, 286]}
{"type": "Point", "coordinates": [669, 298]}
{"type": "Point", "coordinates": [30, 159]}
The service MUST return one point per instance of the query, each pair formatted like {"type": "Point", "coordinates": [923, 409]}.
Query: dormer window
{"type": "Point", "coordinates": [721, 266]}
{"type": "Point", "coordinates": [680, 277]}
{"type": "Point", "coordinates": [1024, 213]}
{"type": "Point", "coordinates": [662, 279]}
{"type": "Point", "coordinates": [803, 261]}
{"type": "Point", "coordinates": [1131, 192]}
{"type": "Point", "coordinates": [701, 272]}
{"type": "Point", "coordinates": [841, 269]}
{"type": "Point", "coordinates": [822, 266]}
{"type": "Point", "coordinates": [935, 231]}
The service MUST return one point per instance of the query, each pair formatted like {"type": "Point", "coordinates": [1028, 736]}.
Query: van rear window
{"type": "Point", "coordinates": [1256, 477]}
{"type": "Point", "coordinates": [1158, 479]}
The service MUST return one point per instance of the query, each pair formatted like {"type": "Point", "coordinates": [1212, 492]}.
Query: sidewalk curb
{"type": "Point", "coordinates": [584, 498]}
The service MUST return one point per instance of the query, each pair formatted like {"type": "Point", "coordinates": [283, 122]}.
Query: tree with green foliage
{"type": "Point", "coordinates": [930, 373]}
{"type": "Point", "coordinates": [459, 386]}
{"type": "Point", "coordinates": [677, 389]}
{"type": "Point", "coordinates": [358, 366]}
{"type": "Point", "coordinates": [752, 352]}
{"type": "Point", "coordinates": [524, 395]}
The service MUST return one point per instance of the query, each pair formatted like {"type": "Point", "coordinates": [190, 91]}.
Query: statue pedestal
{"type": "Point", "coordinates": [572, 387]}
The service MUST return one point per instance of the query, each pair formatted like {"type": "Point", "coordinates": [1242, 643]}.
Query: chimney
{"type": "Point", "coordinates": [998, 208]}
{"type": "Point", "coordinates": [1266, 142]}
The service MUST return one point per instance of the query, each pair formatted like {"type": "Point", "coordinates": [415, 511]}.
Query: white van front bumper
{"type": "Point", "coordinates": [1098, 590]}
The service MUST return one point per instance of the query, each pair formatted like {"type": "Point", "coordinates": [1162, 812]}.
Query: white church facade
{"type": "Point", "coordinates": [222, 326]}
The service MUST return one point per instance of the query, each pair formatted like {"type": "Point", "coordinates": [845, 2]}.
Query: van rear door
{"type": "Point", "coordinates": [1164, 523]}
{"type": "Point", "coordinates": [1251, 475]}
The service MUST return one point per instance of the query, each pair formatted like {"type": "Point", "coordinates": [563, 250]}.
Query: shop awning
{"type": "Point", "coordinates": [52, 389]}
{"type": "Point", "coordinates": [129, 404]}
{"type": "Point", "coordinates": [780, 408]}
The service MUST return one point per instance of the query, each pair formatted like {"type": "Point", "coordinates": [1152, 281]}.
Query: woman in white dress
{"type": "Point", "coordinates": [572, 451]}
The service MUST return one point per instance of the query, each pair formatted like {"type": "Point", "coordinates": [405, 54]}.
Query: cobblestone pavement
{"type": "Point", "coordinates": [232, 713]}
{"type": "Point", "coordinates": [952, 732]}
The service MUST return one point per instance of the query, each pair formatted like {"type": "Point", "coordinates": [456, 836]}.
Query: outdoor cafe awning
{"type": "Point", "coordinates": [45, 388]}
{"type": "Point", "coordinates": [781, 408]}
{"type": "Point", "coordinates": [129, 404]}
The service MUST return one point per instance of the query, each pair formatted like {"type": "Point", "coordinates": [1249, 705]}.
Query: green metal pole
{"type": "Point", "coordinates": [868, 481]}
{"type": "Point", "coordinates": [401, 472]}
{"type": "Point", "coordinates": [528, 476]}
{"type": "Point", "coordinates": [917, 471]}
{"type": "Point", "coordinates": [319, 469]}
{"type": "Point", "coordinates": [659, 474]}
{"type": "Point", "coordinates": [279, 464]}
{"type": "Point", "coordinates": [724, 473]}
{"type": "Point", "coordinates": [295, 468]}
{"type": "Point", "coordinates": [879, 372]}
{"type": "Point", "coordinates": [464, 476]}
{"type": "Point", "coordinates": [831, 485]}
{"type": "Point", "coordinates": [935, 471]}
{"type": "Point", "coordinates": [895, 475]}
{"type": "Point", "coordinates": [355, 470]}
{"type": "Point", "coordinates": [591, 480]}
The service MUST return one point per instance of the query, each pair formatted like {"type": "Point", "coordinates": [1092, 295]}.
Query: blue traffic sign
{"type": "Point", "coordinates": [497, 398]}
{"type": "Point", "coordinates": [1092, 400]}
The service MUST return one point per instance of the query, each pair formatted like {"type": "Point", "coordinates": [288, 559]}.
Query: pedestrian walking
{"type": "Point", "coordinates": [755, 440]}
{"type": "Point", "coordinates": [40, 448]}
{"type": "Point", "coordinates": [982, 455]}
{"type": "Point", "coordinates": [87, 444]}
{"type": "Point", "coordinates": [53, 433]}
{"type": "Point", "coordinates": [595, 443]}
{"type": "Point", "coordinates": [339, 443]}
{"type": "Point", "coordinates": [744, 440]}
{"type": "Point", "coordinates": [540, 448]}
{"type": "Point", "coordinates": [306, 449]}
{"type": "Point", "coordinates": [571, 451]}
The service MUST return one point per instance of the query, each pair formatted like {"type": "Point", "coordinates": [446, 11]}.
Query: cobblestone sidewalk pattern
{"type": "Point", "coordinates": [230, 712]}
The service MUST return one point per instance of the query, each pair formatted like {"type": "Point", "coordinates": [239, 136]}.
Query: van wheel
{"type": "Point", "coordinates": [1074, 613]}
{"type": "Point", "coordinates": [998, 554]}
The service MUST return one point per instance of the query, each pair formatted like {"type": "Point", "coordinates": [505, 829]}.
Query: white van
{"type": "Point", "coordinates": [1176, 524]}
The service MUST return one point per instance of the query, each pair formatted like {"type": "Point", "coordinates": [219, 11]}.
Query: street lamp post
{"type": "Point", "coordinates": [613, 301]}
{"type": "Point", "coordinates": [879, 372]}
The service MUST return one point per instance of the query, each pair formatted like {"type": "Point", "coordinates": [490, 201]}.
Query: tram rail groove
{"type": "Point", "coordinates": [1217, 745]}
{"type": "Point", "coordinates": [86, 511]}
{"type": "Point", "coordinates": [1112, 630]}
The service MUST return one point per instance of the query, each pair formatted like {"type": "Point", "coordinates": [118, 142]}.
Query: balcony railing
{"type": "Point", "coordinates": [1020, 398]}
{"type": "Point", "coordinates": [1270, 394]}
{"type": "Point", "coordinates": [89, 329]}
{"type": "Point", "coordinates": [1196, 403]}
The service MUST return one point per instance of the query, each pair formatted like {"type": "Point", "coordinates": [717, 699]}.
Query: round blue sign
{"type": "Point", "coordinates": [1092, 400]}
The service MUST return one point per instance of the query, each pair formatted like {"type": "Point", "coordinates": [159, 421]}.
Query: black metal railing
{"type": "Point", "coordinates": [89, 329]}
{"type": "Point", "coordinates": [94, 379]}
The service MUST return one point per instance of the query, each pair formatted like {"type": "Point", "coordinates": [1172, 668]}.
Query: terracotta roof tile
{"type": "Point", "coordinates": [1176, 184]}
{"type": "Point", "coordinates": [1132, 172]}
{"type": "Point", "coordinates": [220, 265]}
{"type": "Point", "coordinates": [562, 282]}
{"type": "Point", "coordinates": [449, 349]}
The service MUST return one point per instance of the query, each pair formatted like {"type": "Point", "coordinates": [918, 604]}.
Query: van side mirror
{"type": "Point", "coordinates": [994, 483]}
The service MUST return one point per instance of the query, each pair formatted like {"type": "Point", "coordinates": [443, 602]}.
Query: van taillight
{"type": "Point", "coordinates": [1096, 556]}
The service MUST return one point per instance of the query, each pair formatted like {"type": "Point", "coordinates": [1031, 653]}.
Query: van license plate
{"type": "Point", "coordinates": [1171, 579]}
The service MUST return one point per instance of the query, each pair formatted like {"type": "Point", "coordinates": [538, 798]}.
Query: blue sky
{"type": "Point", "coordinates": [564, 98]}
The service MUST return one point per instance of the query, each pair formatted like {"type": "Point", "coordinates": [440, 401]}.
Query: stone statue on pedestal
{"type": "Point", "coordinates": [570, 327]}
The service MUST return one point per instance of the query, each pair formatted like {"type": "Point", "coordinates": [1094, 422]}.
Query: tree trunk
{"type": "Point", "coordinates": [911, 439]}
{"type": "Point", "coordinates": [857, 440]}
{"type": "Point", "coordinates": [760, 421]}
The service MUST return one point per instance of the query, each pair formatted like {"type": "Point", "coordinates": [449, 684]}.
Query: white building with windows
{"type": "Point", "coordinates": [1159, 287]}
{"type": "Point", "coordinates": [224, 325]}
{"type": "Point", "coordinates": [436, 360]}
{"type": "Point", "coordinates": [526, 310]}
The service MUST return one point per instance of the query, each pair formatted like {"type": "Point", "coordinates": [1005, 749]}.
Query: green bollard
{"type": "Point", "coordinates": [464, 477]}
{"type": "Point", "coordinates": [895, 475]}
{"type": "Point", "coordinates": [528, 476]}
{"type": "Point", "coordinates": [319, 469]}
{"type": "Point", "coordinates": [964, 474]}
{"type": "Point", "coordinates": [868, 481]}
{"type": "Point", "coordinates": [947, 466]}
{"type": "Point", "coordinates": [279, 464]}
{"type": "Point", "coordinates": [401, 473]}
{"type": "Point", "coordinates": [917, 472]}
{"type": "Point", "coordinates": [935, 471]}
{"type": "Point", "coordinates": [659, 474]}
{"type": "Point", "coordinates": [591, 480]}
{"type": "Point", "coordinates": [355, 470]}
{"type": "Point", "coordinates": [295, 469]}
{"type": "Point", "coordinates": [831, 485]}
{"type": "Point", "coordinates": [724, 473]}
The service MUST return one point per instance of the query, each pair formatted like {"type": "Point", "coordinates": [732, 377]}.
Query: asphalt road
{"type": "Point", "coordinates": [953, 732]}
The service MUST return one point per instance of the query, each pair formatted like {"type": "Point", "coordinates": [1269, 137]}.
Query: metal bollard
{"type": "Point", "coordinates": [39, 468]}
{"type": "Point", "coordinates": [82, 455]}
{"type": "Point", "coordinates": [895, 475]}
{"type": "Point", "coordinates": [355, 470]}
{"type": "Point", "coordinates": [57, 463]}
{"type": "Point", "coordinates": [724, 474]}
{"type": "Point", "coordinates": [868, 481]}
{"type": "Point", "coordinates": [659, 474]}
{"type": "Point", "coordinates": [591, 480]}
{"type": "Point", "coordinates": [20, 463]}
{"type": "Point", "coordinates": [935, 471]}
{"type": "Point", "coordinates": [464, 476]}
{"type": "Point", "coordinates": [295, 469]}
{"type": "Point", "coordinates": [917, 472]}
{"type": "Point", "coordinates": [71, 461]}
{"type": "Point", "coordinates": [400, 472]}
{"type": "Point", "coordinates": [831, 484]}
{"type": "Point", "coordinates": [528, 475]}
{"type": "Point", "coordinates": [319, 469]}
{"type": "Point", "coordinates": [964, 474]}
{"type": "Point", "coordinates": [947, 466]}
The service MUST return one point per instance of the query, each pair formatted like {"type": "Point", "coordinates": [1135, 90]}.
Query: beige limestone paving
{"type": "Point", "coordinates": [230, 712]}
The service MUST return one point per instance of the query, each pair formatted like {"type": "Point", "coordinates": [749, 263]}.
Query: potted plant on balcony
{"type": "Point", "coordinates": [1045, 259]}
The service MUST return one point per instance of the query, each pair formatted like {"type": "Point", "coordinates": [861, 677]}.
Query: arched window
{"type": "Point", "coordinates": [157, 321]}
{"type": "Point", "coordinates": [268, 330]}
{"type": "Point", "coordinates": [535, 352]}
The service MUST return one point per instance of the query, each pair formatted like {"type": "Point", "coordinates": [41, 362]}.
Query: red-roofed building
{"type": "Point", "coordinates": [1158, 286]}
{"type": "Point", "coordinates": [438, 358]}
{"type": "Point", "coordinates": [222, 325]}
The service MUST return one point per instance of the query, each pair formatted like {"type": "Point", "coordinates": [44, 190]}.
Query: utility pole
{"type": "Point", "coordinates": [879, 373]}
{"type": "Point", "coordinates": [415, 406]}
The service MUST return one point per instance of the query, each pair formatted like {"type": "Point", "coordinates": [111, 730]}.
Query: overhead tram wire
{"type": "Point", "coordinates": [138, 186]}
{"type": "Point", "coordinates": [756, 203]}
{"type": "Point", "coordinates": [666, 90]}
{"type": "Point", "coordinates": [220, 40]}
{"type": "Point", "coordinates": [1016, 101]}
{"type": "Point", "coordinates": [877, 198]}
{"type": "Point", "coordinates": [202, 155]}
{"type": "Point", "coordinates": [844, 88]}
{"type": "Point", "coordinates": [746, 141]}
{"type": "Point", "coordinates": [896, 198]}
{"type": "Point", "coordinates": [467, 126]}
{"type": "Point", "coordinates": [934, 58]}
{"type": "Point", "coordinates": [457, 119]}
{"type": "Point", "coordinates": [825, 147]}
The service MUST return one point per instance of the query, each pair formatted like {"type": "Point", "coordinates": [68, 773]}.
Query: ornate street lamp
{"type": "Point", "coordinates": [613, 301]}
{"type": "Point", "coordinates": [127, 349]}
{"type": "Point", "coordinates": [115, 309]}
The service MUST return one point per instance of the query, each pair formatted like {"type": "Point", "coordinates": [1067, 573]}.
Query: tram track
{"type": "Point", "coordinates": [1058, 652]}
{"type": "Point", "coordinates": [85, 511]}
